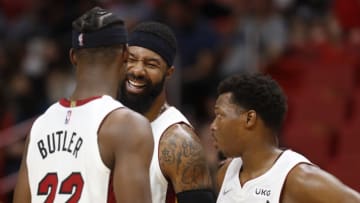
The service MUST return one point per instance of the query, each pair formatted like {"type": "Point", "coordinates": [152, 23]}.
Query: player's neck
{"type": "Point", "coordinates": [257, 161]}
{"type": "Point", "coordinates": [158, 107]}
{"type": "Point", "coordinates": [95, 83]}
{"type": "Point", "coordinates": [260, 148]}
{"type": "Point", "coordinates": [90, 89]}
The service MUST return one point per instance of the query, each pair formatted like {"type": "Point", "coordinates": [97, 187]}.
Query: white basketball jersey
{"type": "Point", "coordinates": [159, 184]}
{"type": "Point", "coordinates": [263, 189]}
{"type": "Point", "coordinates": [63, 160]}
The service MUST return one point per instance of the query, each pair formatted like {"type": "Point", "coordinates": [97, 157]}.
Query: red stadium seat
{"type": "Point", "coordinates": [318, 105]}
{"type": "Point", "coordinates": [311, 139]}
{"type": "Point", "coordinates": [340, 78]}
{"type": "Point", "coordinates": [346, 168]}
{"type": "Point", "coordinates": [346, 165]}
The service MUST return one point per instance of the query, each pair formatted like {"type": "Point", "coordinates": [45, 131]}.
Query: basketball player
{"type": "Point", "coordinates": [78, 142]}
{"type": "Point", "coordinates": [178, 168]}
{"type": "Point", "coordinates": [249, 113]}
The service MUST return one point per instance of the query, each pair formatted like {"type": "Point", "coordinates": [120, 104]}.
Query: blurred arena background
{"type": "Point", "coordinates": [311, 47]}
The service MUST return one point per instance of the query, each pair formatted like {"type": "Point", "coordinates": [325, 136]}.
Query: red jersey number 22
{"type": "Point", "coordinates": [50, 181]}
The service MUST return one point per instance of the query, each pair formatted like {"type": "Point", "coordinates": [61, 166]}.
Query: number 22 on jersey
{"type": "Point", "coordinates": [50, 181]}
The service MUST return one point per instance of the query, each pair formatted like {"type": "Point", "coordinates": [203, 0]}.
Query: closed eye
{"type": "Point", "coordinates": [132, 60]}
{"type": "Point", "coordinates": [151, 65]}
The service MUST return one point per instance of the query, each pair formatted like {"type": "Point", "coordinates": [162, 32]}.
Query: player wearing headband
{"type": "Point", "coordinates": [178, 168]}
{"type": "Point", "coordinates": [75, 146]}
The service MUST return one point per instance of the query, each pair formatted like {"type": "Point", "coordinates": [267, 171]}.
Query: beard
{"type": "Point", "coordinates": [142, 102]}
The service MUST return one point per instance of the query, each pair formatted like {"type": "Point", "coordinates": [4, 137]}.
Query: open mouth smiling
{"type": "Point", "coordinates": [135, 86]}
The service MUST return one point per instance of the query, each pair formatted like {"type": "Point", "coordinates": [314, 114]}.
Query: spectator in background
{"type": "Point", "coordinates": [132, 11]}
{"type": "Point", "coordinates": [260, 39]}
{"type": "Point", "coordinates": [197, 55]}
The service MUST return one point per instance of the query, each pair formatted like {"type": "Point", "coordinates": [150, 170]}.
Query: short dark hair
{"type": "Point", "coordinates": [260, 93]}
{"type": "Point", "coordinates": [157, 37]}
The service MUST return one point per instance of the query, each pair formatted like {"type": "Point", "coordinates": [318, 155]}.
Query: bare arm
{"type": "Point", "coordinates": [127, 148]}
{"type": "Point", "coordinates": [307, 183]}
{"type": "Point", "coordinates": [182, 159]}
{"type": "Point", "coordinates": [22, 192]}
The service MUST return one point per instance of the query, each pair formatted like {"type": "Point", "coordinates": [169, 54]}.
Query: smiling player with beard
{"type": "Point", "coordinates": [139, 92]}
{"type": "Point", "coordinates": [178, 169]}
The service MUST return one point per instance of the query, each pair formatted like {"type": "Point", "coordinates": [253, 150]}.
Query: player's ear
{"type": "Point", "coordinates": [170, 71]}
{"type": "Point", "coordinates": [251, 117]}
{"type": "Point", "coordinates": [73, 57]}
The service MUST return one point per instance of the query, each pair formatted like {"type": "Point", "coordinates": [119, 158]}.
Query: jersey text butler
{"type": "Point", "coordinates": [61, 140]}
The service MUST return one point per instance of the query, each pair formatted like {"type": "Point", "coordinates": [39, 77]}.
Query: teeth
{"type": "Point", "coordinates": [136, 84]}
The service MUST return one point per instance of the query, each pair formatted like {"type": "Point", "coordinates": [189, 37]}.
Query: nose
{"type": "Point", "coordinates": [136, 68]}
{"type": "Point", "coordinates": [213, 126]}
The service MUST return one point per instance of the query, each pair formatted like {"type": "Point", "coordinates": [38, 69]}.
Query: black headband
{"type": "Point", "coordinates": [154, 43]}
{"type": "Point", "coordinates": [105, 37]}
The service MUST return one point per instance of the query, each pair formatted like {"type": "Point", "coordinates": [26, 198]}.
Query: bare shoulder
{"type": "Point", "coordinates": [309, 183]}
{"type": "Point", "coordinates": [182, 159]}
{"type": "Point", "coordinates": [126, 146]}
{"type": "Point", "coordinates": [123, 122]}
{"type": "Point", "coordinates": [124, 132]}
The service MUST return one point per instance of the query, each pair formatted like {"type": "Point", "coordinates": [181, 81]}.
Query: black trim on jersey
{"type": "Point", "coordinates": [196, 196]}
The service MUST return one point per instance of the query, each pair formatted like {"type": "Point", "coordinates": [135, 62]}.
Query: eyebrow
{"type": "Point", "coordinates": [132, 55]}
{"type": "Point", "coordinates": [152, 59]}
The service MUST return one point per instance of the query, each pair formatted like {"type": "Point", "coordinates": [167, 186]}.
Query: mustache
{"type": "Point", "coordinates": [131, 76]}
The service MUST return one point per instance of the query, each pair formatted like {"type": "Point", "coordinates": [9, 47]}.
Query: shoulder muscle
{"type": "Point", "coordinates": [123, 132]}
{"type": "Point", "coordinates": [182, 159]}
{"type": "Point", "coordinates": [308, 183]}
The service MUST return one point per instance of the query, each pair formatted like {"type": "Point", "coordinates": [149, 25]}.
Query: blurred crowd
{"type": "Point", "coordinates": [311, 47]}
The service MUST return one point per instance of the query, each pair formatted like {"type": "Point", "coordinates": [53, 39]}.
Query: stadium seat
{"type": "Point", "coordinates": [346, 168]}
{"type": "Point", "coordinates": [341, 78]}
{"type": "Point", "coordinates": [313, 140]}
{"type": "Point", "coordinates": [318, 104]}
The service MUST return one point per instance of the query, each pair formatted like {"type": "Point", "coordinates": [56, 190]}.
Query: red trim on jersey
{"type": "Point", "coordinates": [111, 194]}
{"type": "Point", "coordinates": [170, 194]}
{"type": "Point", "coordinates": [69, 103]}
